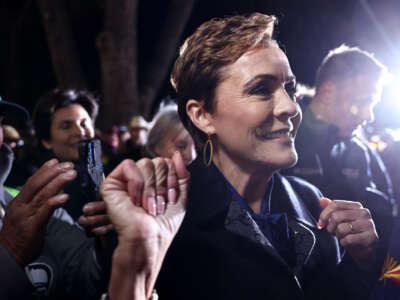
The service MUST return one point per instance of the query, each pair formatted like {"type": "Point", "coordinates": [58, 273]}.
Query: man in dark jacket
{"type": "Point", "coordinates": [331, 156]}
{"type": "Point", "coordinates": [43, 253]}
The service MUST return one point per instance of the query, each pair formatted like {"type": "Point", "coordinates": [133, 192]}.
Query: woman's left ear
{"type": "Point", "coordinates": [46, 144]}
{"type": "Point", "coordinates": [199, 116]}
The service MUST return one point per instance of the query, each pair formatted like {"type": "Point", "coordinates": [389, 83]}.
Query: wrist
{"type": "Point", "coordinates": [131, 258]}
{"type": "Point", "coordinates": [12, 250]}
{"type": "Point", "coordinates": [127, 280]}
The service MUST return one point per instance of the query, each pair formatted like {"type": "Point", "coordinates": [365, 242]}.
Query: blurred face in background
{"type": "Point", "coordinates": [139, 136]}
{"type": "Point", "coordinates": [69, 125]}
{"type": "Point", "coordinates": [354, 103]}
{"type": "Point", "coordinates": [177, 139]}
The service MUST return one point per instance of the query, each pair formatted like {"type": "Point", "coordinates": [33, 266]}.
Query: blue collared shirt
{"type": "Point", "coordinates": [274, 226]}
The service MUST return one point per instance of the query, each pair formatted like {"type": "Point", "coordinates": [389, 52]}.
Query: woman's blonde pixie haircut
{"type": "Point", "coordinates": [215, 44]}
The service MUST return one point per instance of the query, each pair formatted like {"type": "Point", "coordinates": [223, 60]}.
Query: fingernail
{"type": "Point", "coordinates": [62, 198]}
{"type": "Point", "coordinates": [152, 205]}
{"type": "Point", "coordinates": [52, 162]}
{"type": "Point", "coordinates": [160, 205]}
{"type": "Point", "coordinates": [82, 220]}
{"type": "Point", "coordinates": [66, 165]}
{"type": "Point", "coordinates": [172, 195]}
{"type": "Point", "coordinates": [320, 225]}
{"type": "Point", "coordinates": [70, 174]}
{"type": "Point", "coordinates": [87, 208]}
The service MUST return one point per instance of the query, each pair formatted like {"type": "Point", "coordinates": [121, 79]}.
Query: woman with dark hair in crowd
{"type": "Point", "coordinates": [61, 119]}
{"type": "Point", "coordinates": [167, 135]}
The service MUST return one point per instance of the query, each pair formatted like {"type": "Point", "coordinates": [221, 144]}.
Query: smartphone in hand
{"type": "Point", "coordinates": [90, 168]}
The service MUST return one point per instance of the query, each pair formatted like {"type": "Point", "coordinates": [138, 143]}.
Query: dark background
{"type": "Point", "coordinates": [306, 30]}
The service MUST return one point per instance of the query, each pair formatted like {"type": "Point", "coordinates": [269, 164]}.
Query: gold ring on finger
{"type": "Point", "coordinates": [351, 227]}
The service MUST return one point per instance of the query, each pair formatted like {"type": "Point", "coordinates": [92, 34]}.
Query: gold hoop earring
{"type": "Point", "coordinates": [208, 146]}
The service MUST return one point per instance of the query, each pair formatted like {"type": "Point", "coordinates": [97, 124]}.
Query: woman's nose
{"type": "Point", "coordinates": [79, 130]}
{"type": "Point", "coordinates": [286, 106]}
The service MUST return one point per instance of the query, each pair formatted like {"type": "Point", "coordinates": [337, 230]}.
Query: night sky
{"type": "Point", "coordinates": [306, 30]}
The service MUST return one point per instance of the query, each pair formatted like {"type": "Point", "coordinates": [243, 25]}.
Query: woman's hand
{"type": "Point", "coordinates": [352, 224]}
{"type": "Point", "coordinates": [146, 203]}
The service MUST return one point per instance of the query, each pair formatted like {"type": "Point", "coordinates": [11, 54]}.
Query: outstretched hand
{"type": "Point", "coordinates": [26, 217]}
{"type": "Point", "coordinates": [352, 224]}
{"type": "Point", "coordinates": [146, 202]}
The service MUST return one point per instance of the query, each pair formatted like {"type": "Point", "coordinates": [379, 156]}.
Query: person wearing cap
{"type": "Point", "coordinates": [134, 148]}
{"type": "Point", "coordinates": [138, 128]}
{"type": "Point", "coordinates": [23, 164]}
{"type": "Point", "coordinates": [42, 253]}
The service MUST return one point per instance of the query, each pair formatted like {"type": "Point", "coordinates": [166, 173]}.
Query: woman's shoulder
{"type": "Point", "coordinates": [306, 192]}
{"type": "Point", "coordinates": [301, 185]}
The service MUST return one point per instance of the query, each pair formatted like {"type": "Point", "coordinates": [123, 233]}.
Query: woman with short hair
{"type": "Point", "coordinates": [249, 232]}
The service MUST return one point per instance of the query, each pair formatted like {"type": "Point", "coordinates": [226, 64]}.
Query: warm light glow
{"type": "Point", "coordinates": [354, 109]}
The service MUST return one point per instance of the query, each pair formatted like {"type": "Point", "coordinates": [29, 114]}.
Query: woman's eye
{"type": "Point", "coordinates": [83, 124]}
{"type": "Point", "coordinates": [65, 126]}
{"type": "Point", "coordinates": [180, 147]}
{"type": "Point", "coordinates": [261, 90]}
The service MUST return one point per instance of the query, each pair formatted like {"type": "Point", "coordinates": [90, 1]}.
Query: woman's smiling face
{"type": "Point", "coordinates": [256, 118]}
{"type": "Point", "coordinates": [69, 125]}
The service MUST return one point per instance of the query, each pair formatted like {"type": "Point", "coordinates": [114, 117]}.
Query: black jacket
{"type": "Point", "coordinates": [343, 169]}
{"type": "Point", "coordinates": [220, 253]}
{"type": "Point", "coordinates": [67, 266]}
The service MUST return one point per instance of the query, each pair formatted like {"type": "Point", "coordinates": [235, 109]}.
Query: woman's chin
{"type": "Point", "coordinates": [284, 160]}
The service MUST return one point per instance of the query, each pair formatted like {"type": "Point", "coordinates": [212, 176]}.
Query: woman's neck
{"type": "Point", "coordinates": [250, 182]}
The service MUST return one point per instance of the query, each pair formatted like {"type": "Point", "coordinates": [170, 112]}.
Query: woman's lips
{"type": "Point", "coordinates": [285, 133]}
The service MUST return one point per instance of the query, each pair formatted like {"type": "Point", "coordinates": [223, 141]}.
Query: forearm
{"type": "Point", "coordinates": [128, 276]}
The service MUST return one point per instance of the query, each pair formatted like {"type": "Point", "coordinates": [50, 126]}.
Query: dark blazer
{"type": "Point", "coordinates": [220, 253]}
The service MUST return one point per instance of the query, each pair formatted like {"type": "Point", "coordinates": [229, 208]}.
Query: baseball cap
{"type": "Point", "coordinates": [138, 122]}
{"type": "Point", "coordinates": [8, 109]}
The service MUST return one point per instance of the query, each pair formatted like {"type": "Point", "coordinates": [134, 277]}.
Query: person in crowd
{"type": "Point", "coordinates": [348, 84]}
{"type": "Point", "coordinates": [389, 156]}
{"type": "Point", "coordinates": [123, 137]}
{"type": "Point", "coordinates": [61, 119]}
{"type": "Point", "coordinates": [139, 129]}
{"type": "Point", "coordinates": [109, 143]}
{"type": "Point", "coordinates": [144, 234]}
{"type": "Point", "coordinates": [168, 135]}
{"type": "Point", "coordinates": [12, 137]}
{"type": "Point", "coordinates": [134, 148]}
{"type": "Point", "coordinates": [250, 233]}
{"type": "Point", "coordinates": [20, 170]}
{"type": "Point", "coordinates": [43, 254]}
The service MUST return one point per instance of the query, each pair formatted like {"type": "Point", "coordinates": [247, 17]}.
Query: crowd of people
{"type": "Point", "coordinates": [285, 200]}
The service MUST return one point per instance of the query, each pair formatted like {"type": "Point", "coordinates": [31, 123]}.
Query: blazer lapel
{"type": "Point", "coordinates": [304, 243]}
{"type": "Point", "coordinates": [239, 221]}
{"type": "Point", "coordinates": [302, 225]}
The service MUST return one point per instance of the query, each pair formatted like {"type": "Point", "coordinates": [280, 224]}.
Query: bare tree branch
{"type": "Point", "coordinates": [62, 44]}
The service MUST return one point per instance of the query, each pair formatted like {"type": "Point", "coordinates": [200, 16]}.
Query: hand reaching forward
{"type": "Point", "coordinates": [352, 224]}
{"type": "Point", "coordinates": [146, 202]}
{"type": "Point", "coordinates": [26, 217]}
